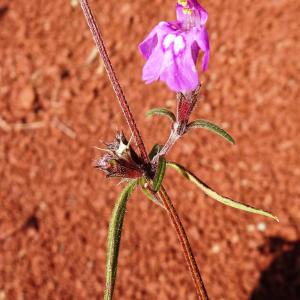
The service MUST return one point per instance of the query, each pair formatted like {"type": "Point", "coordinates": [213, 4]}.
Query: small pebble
{"type": "Point", "coordinates": [250, 228]}
{"type": "Point", "coordinates": [74, 3]}
{"type": "Point", "coordinates": [261, 226]}
{"type": "Point", "coordinates": [26, 98]}
{"type": "Point", "coordinates": [215, 249]}
{"type": "Point", "coordinates": [235, 239]}
{"type": "Point", "coordinates": [2, 295]}
{"type": "Point", "coordinates": [170, 103]}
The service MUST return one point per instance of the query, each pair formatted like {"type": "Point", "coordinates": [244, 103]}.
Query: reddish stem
{"type": "Point", "coordinates": [113, 78]}
{"type": "Point", "coordinates": [183, 239]}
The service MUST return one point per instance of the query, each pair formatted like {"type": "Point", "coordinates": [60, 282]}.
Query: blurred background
{"type": "Point", "coordinates": [56, 104]}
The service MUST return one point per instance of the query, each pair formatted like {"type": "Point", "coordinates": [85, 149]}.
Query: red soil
{"type": "Point", "coordinates": [55, 106]}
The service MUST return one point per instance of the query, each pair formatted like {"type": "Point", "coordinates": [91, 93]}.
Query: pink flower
{"type": "Point", "coordinates": [172, 48]}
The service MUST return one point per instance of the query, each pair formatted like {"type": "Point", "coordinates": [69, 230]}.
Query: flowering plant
{"type": "Point", "coordinates": [171, 51]}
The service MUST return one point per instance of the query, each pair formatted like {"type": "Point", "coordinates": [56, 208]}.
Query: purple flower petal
{"type": "Point", "coordinates": [180, 77]}
{"type": "Point", "coordinates": [201, 37]}
{"type": "Point", "coordinates": [205, 60]}
{"type": "Point", "coordinates": [152, 68]}
{"type": "Point", "coordinates": [179, 70]}
{"type": "Point", "coordinates": [154, 52]}
{"type": "Point", "coordinates": [149, 43]}
{"type": "Point", "coordinates": [195, 51]}
{"type": "Point", "coordinates": [202, 13]}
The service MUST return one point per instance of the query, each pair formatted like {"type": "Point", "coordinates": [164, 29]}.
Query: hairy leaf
{"type": "Point", "coordinates": [114, 238]}
{"type": "Point", "coordinates": [156, 148]}
{"type": "Point", "coordinates": [160, 173]}
{"type": "Point", "coordinates": [211, 193]}
{"type": "Point", "coordinates": [212, 127]}
{"type": "Point", "coordinates": [161, 111]}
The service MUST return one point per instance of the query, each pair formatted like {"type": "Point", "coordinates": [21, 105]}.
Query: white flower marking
{"type": "Point", "coordinates": [179, 44]}
{"type": "Point", "coordinates": [168, 40]}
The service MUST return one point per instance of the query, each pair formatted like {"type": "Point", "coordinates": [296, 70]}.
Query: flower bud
{"type": "Point", "coordinates": [185, 105]}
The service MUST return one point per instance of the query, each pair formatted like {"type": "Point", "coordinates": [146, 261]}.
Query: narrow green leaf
{"type": "Point", "coordinates": [161, 111]}
{"type": "Point", "coordinates": [212, 127]}
{"type": "Point", "coordinates": [160, 173]}
{"type": "Point", "coordinates": [211, 193]}
{"type": "Point", "coordinates": [156, 148]}
{"type": "Point", "coordinates": [114, 238]}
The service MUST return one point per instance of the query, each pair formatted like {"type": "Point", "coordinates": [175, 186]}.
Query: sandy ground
{"type": "Point", "coordinates": [56, 104]}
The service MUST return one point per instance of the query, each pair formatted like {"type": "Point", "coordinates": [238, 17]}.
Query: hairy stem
{"type": "Point", "coordinates": [183, 239]}
{"type": "Point", "coordinates": [173, 137]}
{"type": "Point", "coordinates": [177, 131]}
{"type": "Point", "coordinates": [113, 78]}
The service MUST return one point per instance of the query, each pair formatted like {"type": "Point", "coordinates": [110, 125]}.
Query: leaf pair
{"type": "Point", "coordinates": [195, 124]}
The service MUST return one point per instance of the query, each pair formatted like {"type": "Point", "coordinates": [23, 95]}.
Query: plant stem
{"type": "Point", "coordinates": [183, 239]}
{"type": "Point", "coordinates": [173, 137]}
{"type": "Point", "coordinates": [113, 78]}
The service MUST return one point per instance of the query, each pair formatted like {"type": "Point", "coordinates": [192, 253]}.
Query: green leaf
{"type": "Point", "coordinates": [211, 193]}
{"type": "Point", "coordinates": [149, 195]}
{"type": "Point", "coordinates": [156, 148]}
{"type": "Point", "coordinates": [160, 173]}
{"type": "Point", "coordinates": [114, 238]}
{"type": "Point", "coordinates": [212, 127]}
{"type": "Point", "coordinates": [161, 111]}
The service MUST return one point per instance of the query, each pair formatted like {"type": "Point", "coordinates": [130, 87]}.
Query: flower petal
{"type": "Point", "coordinates": [152, 49]}
{"type": "Point", "coordinates": [205, 60]}
{"type": "Point", "coordinates": [201, 37]}
{"type": "Point", "coordinates": [149, 43]}
{"type": "Point", "coordinates": [152, 68]}
{"type": "Point", "coordinates": [179, 71]}
{"type": "Point", "coordinates": [202, 13]}
{"type": "Point", "coordinates": [195, 51]}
